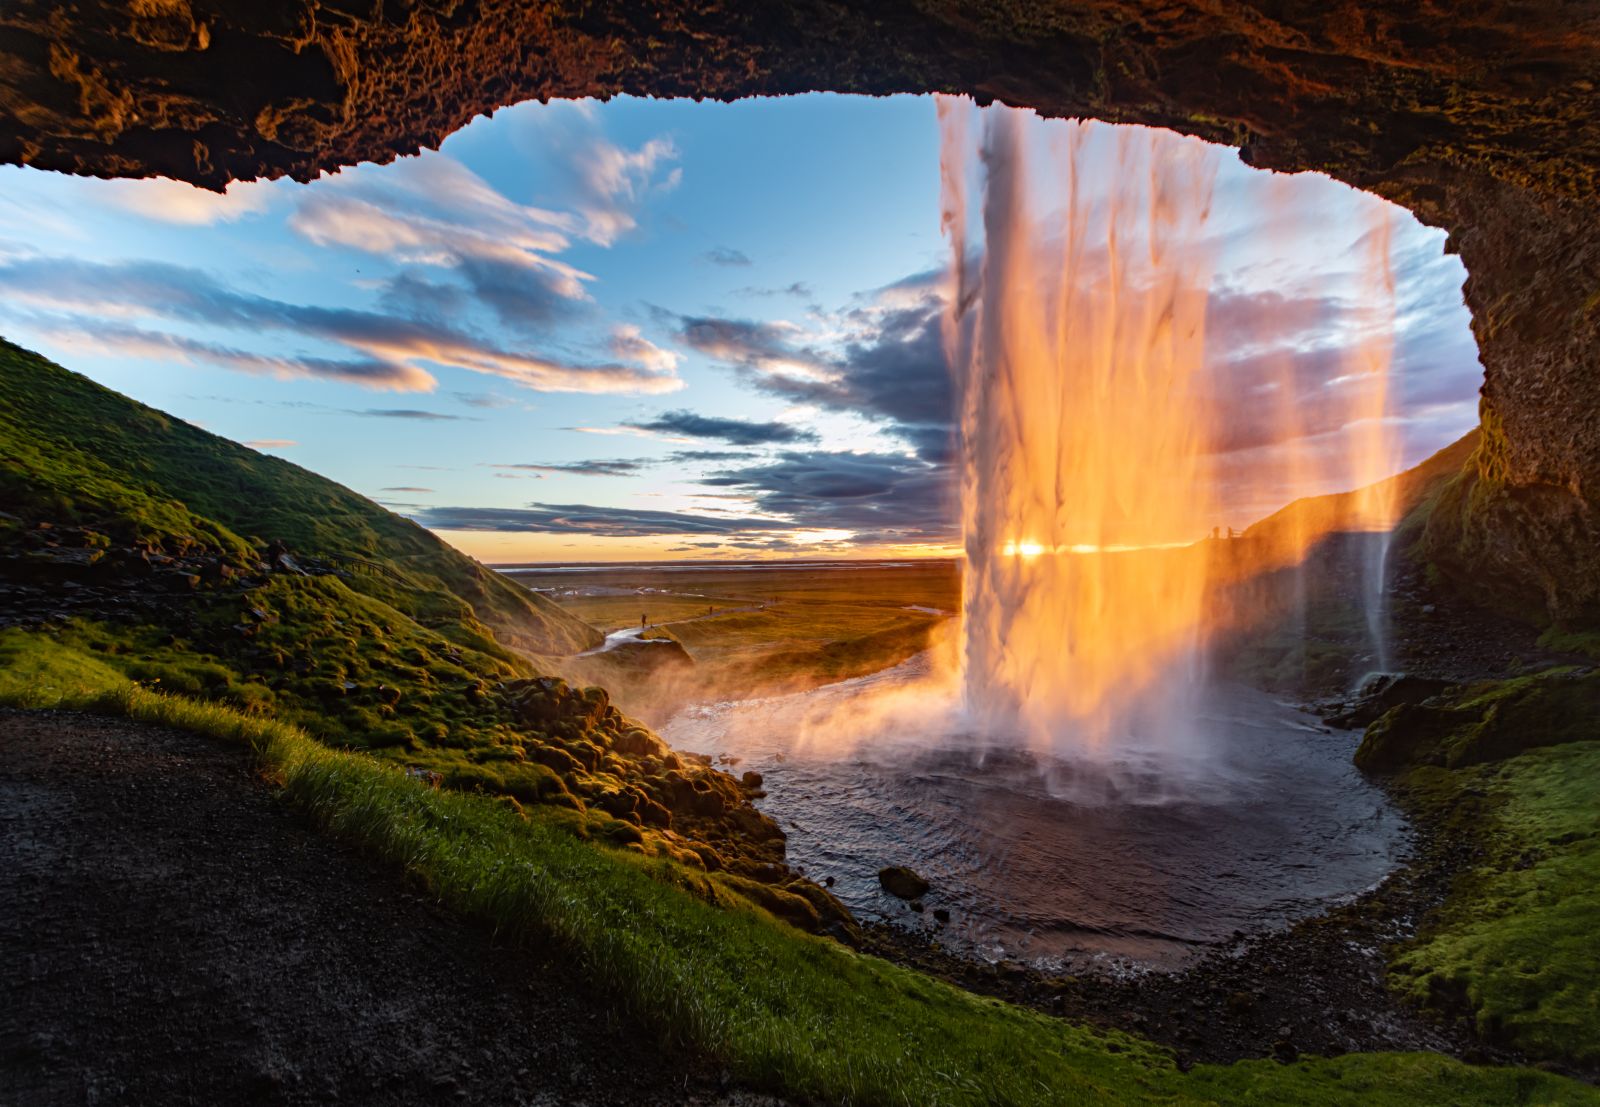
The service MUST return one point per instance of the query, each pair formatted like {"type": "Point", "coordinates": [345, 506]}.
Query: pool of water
{"type": "Point", "coordinates": [1124, 858]}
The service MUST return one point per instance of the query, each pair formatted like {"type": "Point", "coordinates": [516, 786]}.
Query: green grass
{"type": "Point", "coordinates": [1516, 948]}
{"type": "Point", "coordinates": [799, 1015]}
{"type": "Point", "coordinates": [1586, 642]}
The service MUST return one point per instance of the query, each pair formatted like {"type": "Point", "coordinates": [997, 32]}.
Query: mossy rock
{"type": "Point", "coordinates": [1406, 735]}
{"type": "Point", "coordinates": [639, 742]}
{"type": "Point", "coordinates": [1487, 722]}
{"type": "Point", "coordinates": [620, 833]}
{"type": "Point", "coordinates": [532, 782]}
{"type": "Point", "coordinates": [793, 909]}
{"type": "Point", "coordinates": [555, 758]}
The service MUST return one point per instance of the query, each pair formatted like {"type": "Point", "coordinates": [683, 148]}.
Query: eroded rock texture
{"type": "Point", "coordinates": [1482, 117]}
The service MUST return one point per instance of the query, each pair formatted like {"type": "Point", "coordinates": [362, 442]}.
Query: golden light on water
{"type": "Point", "coordinates": [1089, 422]}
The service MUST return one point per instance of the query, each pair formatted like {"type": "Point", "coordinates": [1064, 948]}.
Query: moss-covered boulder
{"type": "Point", "coordinates": [1483, 722]}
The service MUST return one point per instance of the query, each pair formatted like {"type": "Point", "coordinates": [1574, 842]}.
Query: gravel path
{"type": "Point", "coordinates": [171, 935]}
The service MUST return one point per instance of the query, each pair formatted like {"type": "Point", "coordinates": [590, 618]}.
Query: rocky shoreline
{"type": "Point", "coordinates": [1316, 987]}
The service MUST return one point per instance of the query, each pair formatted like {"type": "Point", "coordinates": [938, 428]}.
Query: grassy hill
{"type": "Point", "coordinates": [74, 452]}
{"type": "Point", "coordinates": [194, 566]}
{"type": "Point", "coordinates": [1339, 511]}
{"type": "Point", "coordinates": [1290, 589]}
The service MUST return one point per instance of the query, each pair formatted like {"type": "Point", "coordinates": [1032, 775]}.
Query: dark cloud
{"type": "Point", "coordinates": [893, 371]}
{"type": "Point", "coordinates": [613, 467]}
{"type": "Point", "coordinates": [612, 522]}
{"type": "Point", "coordinates": [882, 497]}
{"type": "Point", "coordinates": [750, 344]}
{"type": "Point", "coordinates": [1283, 366]}
{"type": "Point", "coordinates": [1262, 345]}
{"type": "Point", "coordinates": [738, 432]}
{"type": "Point", "coordinates": [527, 300]}
{"type": "Point", "coordinates": [707, 455]}
{"type": "Point", "coordinates": [530, 301]}
{"type": "Point", "coordinates": [724, 255]}
{"type": "Point", "coordinates": [410, 295]}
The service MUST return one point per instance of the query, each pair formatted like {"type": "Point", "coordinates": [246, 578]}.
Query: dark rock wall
{"type": "Point", "coordinates": [1483, 117]}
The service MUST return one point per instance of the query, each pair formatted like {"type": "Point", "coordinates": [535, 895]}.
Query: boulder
{"type": "Point", "coordinates": [1384, 692]}
{"type": "Point", "coordinates": [903, 883]}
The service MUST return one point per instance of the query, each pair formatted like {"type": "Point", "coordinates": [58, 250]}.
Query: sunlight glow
{"type": "Point", "coordinates": [1092, 416]}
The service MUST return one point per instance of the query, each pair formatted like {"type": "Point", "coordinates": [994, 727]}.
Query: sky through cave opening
{"type": "Point", "coordinates": [659, 329]}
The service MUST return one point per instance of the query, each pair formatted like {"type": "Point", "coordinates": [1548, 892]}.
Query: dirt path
{"type": "Point", "coordinates": [171, 934]}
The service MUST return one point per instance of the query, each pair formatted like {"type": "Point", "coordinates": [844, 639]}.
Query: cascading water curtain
{"type": "Point", "coordinates": [1077, 339]}
{"type": "Point", "coordinates": [1092, 423]}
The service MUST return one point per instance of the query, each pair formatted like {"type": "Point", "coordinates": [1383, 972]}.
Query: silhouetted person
{"type": "Point", "coordinates": [642, 621]}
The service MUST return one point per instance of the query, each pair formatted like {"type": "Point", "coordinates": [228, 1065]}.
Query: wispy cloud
{"type": "Point", "coordinates": [411, 413]}
{"type": "Point", "coordinates": [168, 201]}
{"type": "Point", "coordinates": [502, 251]}
{"type": "Point", "coordinates": [616, 180]}
{"type": "Point", "coordinates": [612, 467]}
{"type": "Point", "coordinates": [725, 255]}
{"type": "Point", "coordinates": [95, 335]}
{"type": "Point", "coordinates": [486, 400]}
{"type": "Point", "coordinates": [88, 298]}
{"type": "Point", "coordinates": [635, 432]}
{"type": "Point", "coordinates": [613, 522]}
{"type": "Point", "coordinates": [629, 345]}
{"type": "Point", "coordinates": [798, 289]}
{"type": "Point", "coordinates": [271, 443]}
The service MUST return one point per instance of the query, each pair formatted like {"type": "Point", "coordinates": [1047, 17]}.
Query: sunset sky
{"type": "Point", "coordinates": [638, 329]}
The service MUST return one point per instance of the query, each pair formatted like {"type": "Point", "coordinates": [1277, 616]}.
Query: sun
{"type": "Point", "coordinates": [1023, 549]}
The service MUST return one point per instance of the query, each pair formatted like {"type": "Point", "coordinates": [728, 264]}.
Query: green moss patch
{"type": "Point", "coordinates": [1515, 947]}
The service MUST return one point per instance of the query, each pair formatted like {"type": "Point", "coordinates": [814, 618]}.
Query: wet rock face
{"type": "Point", "coordinates": [1480, 118]}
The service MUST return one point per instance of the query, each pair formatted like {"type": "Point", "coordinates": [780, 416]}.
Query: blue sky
{"type": "Point", "coordinates": [633, 329]}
